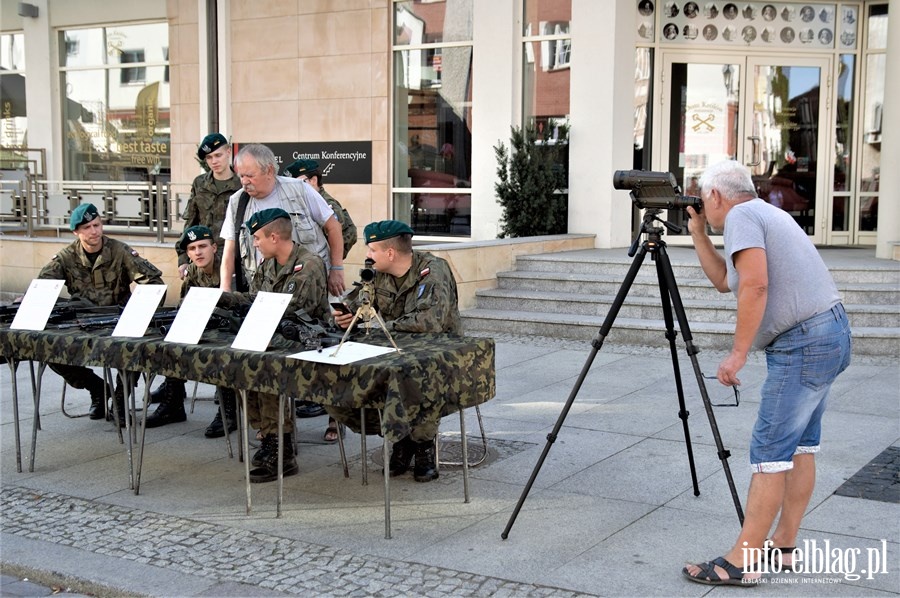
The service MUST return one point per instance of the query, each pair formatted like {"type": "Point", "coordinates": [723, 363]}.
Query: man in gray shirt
{"type": "Point", "coordinates": [788, 304]}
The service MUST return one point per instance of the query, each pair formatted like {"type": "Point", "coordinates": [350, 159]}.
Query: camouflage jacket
{"type": "Point", "coordinates": [207, 206]}
{"type": "Point", "coordinates": [108, 280]}
{"type": "Point", "coordinates": [423, 300]}
{"type": "Point", "coordinates": [196, 277]}
{"type": "Point", "coordinates": [303, 276]}
{"type": "Point", "coordinates": [348, 228]}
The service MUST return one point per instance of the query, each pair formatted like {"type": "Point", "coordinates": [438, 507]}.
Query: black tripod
{"type": "Point", "coordinates": [669, 296]}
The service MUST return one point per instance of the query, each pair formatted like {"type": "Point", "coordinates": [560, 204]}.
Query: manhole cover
{"type": "Point", "coordinates": [450, 451]}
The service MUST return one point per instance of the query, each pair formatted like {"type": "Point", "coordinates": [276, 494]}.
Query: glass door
{"type": "Point", "coordinates": [766, 112]}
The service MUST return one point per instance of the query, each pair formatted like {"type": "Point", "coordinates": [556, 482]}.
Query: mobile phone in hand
{"type": "Point", "coordinates": [340, 307]}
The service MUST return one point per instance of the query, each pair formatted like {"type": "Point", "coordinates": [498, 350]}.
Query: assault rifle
{"type": "Point", "coordinates": [108, 317]}
{"type": "Point", "coordinates": [63, 311]}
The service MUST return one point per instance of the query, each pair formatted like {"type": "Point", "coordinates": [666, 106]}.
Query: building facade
{"type": "Point", "coordinates": [404, 101]}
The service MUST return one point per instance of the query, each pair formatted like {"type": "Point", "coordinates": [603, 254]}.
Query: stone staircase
{"type": "Point", "coordinates": [568, 294]}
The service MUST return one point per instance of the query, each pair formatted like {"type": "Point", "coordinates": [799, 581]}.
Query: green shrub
{"type": "Point", "coordinates": [530, 174]}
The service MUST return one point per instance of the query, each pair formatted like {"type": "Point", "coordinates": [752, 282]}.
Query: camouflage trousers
{"type": "Point", "coordinates": [419, 431]}
{"type": "Point", "coordinates": [262, 413]}
{"type": "Point", "coordinates": [78, 376]}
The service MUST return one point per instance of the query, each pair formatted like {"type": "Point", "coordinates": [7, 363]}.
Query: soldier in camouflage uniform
{"type": "Point", "coordinates": [205, 207]}
{"type": "Point", "coordinates": [99, 270]}
{"type": "Point", "coordinates": [308, 171]}
{"type": "Point", "coordinates": [287, 268]}
{"type": "Point", "coordinates": [198, 244]}
{"type": "Point", "coordinates": [414, 292]}
{"type": "Point", "coordinates": [209, 193]}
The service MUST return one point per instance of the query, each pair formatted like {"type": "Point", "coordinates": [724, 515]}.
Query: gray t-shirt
{"type": "Point", "coordinates": [800, 285]}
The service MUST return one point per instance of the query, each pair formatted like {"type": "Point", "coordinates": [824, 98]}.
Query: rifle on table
{"type": "Point", "coordinates": [108, 317]}
{"type": "Point", "coordinates": [63, 311]}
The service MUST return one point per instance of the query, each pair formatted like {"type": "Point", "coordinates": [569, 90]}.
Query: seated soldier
{"type": "Point", "coordinates": [414, 292]}
{"type": "Point", "coordinates": [198, 245]}
{"type": "Point", "coordinates": [286, 268]}
{"type": "Point", "coordinates": [99, 270]}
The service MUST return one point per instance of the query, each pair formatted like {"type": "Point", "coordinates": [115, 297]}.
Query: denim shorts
{"type": "Point", "coordinates": [802, 363]}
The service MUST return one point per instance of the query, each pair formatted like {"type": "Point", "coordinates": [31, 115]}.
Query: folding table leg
{"type": "Point", "coordinates": [148, 382]}
{"type": "Point", "coordinates": [245, 448]}
{"type": "Point", "coordinates": [36, 424]}
{"type": "Point", "coordinates": [13, 364]}
{"type": "Point", "coordinates": [280, 448]}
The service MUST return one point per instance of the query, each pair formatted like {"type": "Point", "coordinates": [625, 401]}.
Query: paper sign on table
{"type": "Point", "coordinates": [34, 311]}
{"type": "Point", "coordinates": [350, 352]}
{"type": "Point", "coordinates": [139, 310]}
{"type": "Point", "coordinates": [261, 321]}
{"type": "Point", "coordinates": [193, 315]}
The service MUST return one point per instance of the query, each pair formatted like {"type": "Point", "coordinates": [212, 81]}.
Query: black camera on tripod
{"type": "Point", "coordinates": [654, 190]}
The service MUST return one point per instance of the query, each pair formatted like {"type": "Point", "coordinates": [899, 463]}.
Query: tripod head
{"type": "Point", "coordinates": [654, 233]}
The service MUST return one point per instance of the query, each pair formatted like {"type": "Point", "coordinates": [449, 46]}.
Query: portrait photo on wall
{"type": "Point", "coordinates": [760, 24]}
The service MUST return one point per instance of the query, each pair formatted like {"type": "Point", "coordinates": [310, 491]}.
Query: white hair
{"type": "Point", "coordinates": [730, 178]}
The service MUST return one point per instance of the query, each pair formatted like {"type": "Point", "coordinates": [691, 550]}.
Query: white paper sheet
{"type": "Point", "coordinates": [261, 321]}
{"type": "Point", "coordinates": [193, 315]}
{"type": "Point", "coordinates": [350, 352]}
{"type": "Point", "coordinates": [139, 310]}
{"type": "Point", "coordinates": [34, 311]}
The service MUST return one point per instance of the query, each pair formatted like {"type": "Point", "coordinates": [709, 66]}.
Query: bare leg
{"type": "Point", "coordinates": [763, 503]}
{"type": "Point", "coordinates": [798, 490]}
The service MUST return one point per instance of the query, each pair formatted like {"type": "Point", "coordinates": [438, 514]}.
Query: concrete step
{"type": "Point", "coordinates": [846, 265]}
{"type": "Point", "coordinates": [568, 295]}
{"type": "Point", "coordinates": [650, 308]}
{"type": "Point", "coordinates": [637, 331]}
{"type": "Point", "coordinates": [646, 285]}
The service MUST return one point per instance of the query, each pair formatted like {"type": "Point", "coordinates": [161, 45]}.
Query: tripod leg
{"type": "Point", "coordinates": [665, 268]}
{"type": "Point", "coordinates": [596, 344]}
{"type": "Point", "coordinates": [683, 413]}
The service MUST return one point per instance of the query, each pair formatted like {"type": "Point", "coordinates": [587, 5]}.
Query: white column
{"type": "Point", "coordinates": [41, 83]}
{"type": "Point", "coordinates": [494, 97]}
{"type": "Point", "coordinates": [889, 189]}
{"type": "Point", "coordinates": [602, 107]}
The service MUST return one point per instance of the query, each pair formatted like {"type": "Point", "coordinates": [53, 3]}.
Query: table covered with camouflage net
{"type": "Point", "coordinates": [457, 371]}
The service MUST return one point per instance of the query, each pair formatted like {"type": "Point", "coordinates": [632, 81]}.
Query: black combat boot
{"type": "Point", "coordinates": [99, 394]}
{"type": "Point", "coordinates": [216, 429]}
{"type": "Point", "coordinates": [267, 447]}
{"type": "Point", "coordinates": [268, 469]}
{"type": "Point", "coordinates": [157, 396]}
{"type": "Point", "coordinates": [402, 455]}
{"type": "Point", "coordinates": [171, 408]}
{"type": "Point", "coordinates": [425, 469]}
{"type": "Point", "coordinates": [119, 398]}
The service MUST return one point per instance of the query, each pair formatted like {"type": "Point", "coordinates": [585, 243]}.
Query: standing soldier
{"type": "Point", "coordinates": [414, 292]}
{"type": "Point", "coordinates": [99, 270]}
{"type": "Point", "coordinates": [205, 207]}
{"type": "Point", "coordinates": [286, 268]}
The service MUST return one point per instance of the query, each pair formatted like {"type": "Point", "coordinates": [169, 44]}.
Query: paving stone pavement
{"type": "Point", "coordinates": [592, 514]}
{"type": "Point", "coordinates": [199, 548]}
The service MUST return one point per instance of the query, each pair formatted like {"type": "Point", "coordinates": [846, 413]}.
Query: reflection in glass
{"type": "Point", "coordinates": [544, 17]}
{"type": "Point", "coordinates": [785, 123]}
{"type": "Point", "coordinates": [115, 119]}
{"type": "Point", "coordinates": [707, 117]}
{"type": "Point", "coordinates": [441, 213]}
{"type": "Point", "coordinates": [545, 88]}
{"type": "Point", "coordinates": [417, 22]}
{"type": "Point", "coordinates": [433, 124]}
{"type": "Point", "coordinates": [878, 24]}
{"type": "Point", "coordinates": [868, 213]}
{"type": "Point", "coordinates": [871, 146]}
{"type": "Point", "coordinates": [843, 134]}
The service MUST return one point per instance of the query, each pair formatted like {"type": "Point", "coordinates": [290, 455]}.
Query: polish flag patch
{"type": "Point", "coordinates": [298, 267]}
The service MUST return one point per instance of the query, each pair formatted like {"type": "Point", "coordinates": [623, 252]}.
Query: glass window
{"type": "Point", "coordinates": [546, 55]}
{"type": "Point", "coordinates": [877, 26]}
{"type": "Point", "coordinates": [843, 137]}
{"type": "Point", "coordinates": [432, 107]}
{"type": "Point", "coordinates": [432, 22]}
{"type": "Point", "coordinates": [115, 118]}
{"type": "Point", "coordinates": [13, 107]}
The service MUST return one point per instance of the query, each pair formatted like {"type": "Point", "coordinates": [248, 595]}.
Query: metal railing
{"type": "Point", "coordinates": [30, 204]}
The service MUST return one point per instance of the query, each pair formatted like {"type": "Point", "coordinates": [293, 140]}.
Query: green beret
{"type": "Point", "coordinates": [82, 215]}
{"type": "Point", "coordinates": [379, 231]}
{"type": "Point", "coordinates": [298, 167]}
{"type": "Point", "coordinates": [264, 217]}
{"type": "Point", "coordinates": [210, 143]}
{"type": "Point", "coordinates": [194, 233]}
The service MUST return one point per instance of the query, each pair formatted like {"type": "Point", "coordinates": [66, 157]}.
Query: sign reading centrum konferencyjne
{"type": "Point", "coordinates": [340, 162]}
